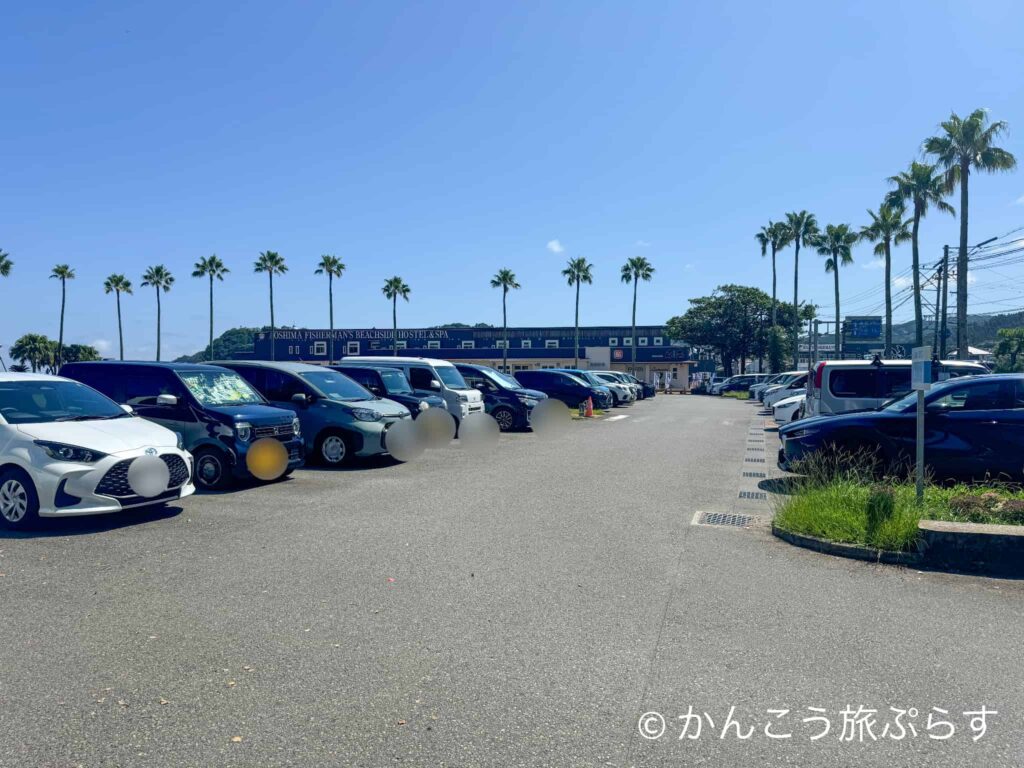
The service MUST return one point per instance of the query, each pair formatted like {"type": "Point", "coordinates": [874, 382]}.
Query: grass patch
{"type": "Point", "coordinates": [737, 395]}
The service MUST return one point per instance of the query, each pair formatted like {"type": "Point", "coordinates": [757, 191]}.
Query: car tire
{"type": "Point", "coordinates": [333, 449]}
{"type": "Point", "coordinates": [211, 469]}
{"type": "Point", "coordinates": [19, 502]}
{"type": "Point", "coordinates": [505, 417]}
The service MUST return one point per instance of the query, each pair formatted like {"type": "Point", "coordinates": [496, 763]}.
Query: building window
{"type": "Point", "coordinates": [627, 341]}
{"type": "Point", "coordinates": [402, 344]}
{"type": "Point", "coordinates": [468, 344]}
{"type": "Point", "coordinates": [551, 344]}
{"type": "Point", "coordinates": [352, 348]}
{"type": "Point", "coordinates": [613, 341]}
{"type": "Point", "coordinates": [433, 344]}
{"type": "Point", "coordinates": [657, 341]}
{"type": "Point", "coordinates": [642, 341]}
{"type": "Point", "coordinates": [501, 344]}
{"type": "Point", "coordinates": [527, 343]}
{"type": "Point", "coordinates": [320, 348]}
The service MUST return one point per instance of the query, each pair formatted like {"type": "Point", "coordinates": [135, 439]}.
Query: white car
{"type": "Point", "coordinates": [788, 410]}
{"type": "Point", "coordinates": [623, 391]}
{"type": "Point", "coordinates": [67, 450]}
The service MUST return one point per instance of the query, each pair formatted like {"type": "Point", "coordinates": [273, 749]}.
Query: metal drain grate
{"type": "Point", "coordinates": [754, 474]}
{"type": "Point", "coordinates": [721, 518]}
{"type": "Point", "coordinates": [759, 495]}
{"type": "Point", "coordinates": [754, 461]}
{"type": "Point", "coordinates": [751, 448]}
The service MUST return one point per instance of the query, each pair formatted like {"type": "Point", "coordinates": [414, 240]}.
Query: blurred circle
{"type": "Point", "coordinates": [267, 459]}
{"type": "Point", "coordinates": [148, 476]}
{"type": "Point", "coordinates": [550, 418]}
{"type": "Point", "coordinates": [479, 432]}
{"type": "Point", "coordinates": [404, 441]}
{"type": "Point", "coordinates": [436, 427]}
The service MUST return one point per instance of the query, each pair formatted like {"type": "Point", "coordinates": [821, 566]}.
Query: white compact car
{"type": "Point", "coordinates": [623, 391]}
{"type": "Point", "coordinates": [67, 450]}
{"type": "Point", "coordinates": [788, 410]}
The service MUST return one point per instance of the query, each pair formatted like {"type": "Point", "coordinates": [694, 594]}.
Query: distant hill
{"type": "Point", "coordinates": [225, 345]}
{"type": "Point", "coordinates": [983, 328]}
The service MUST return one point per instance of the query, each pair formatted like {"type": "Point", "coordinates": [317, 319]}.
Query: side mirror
{"type": "Point", "coordinates": [300, 398]}
{"type": "Point", "coordinates": [127, 409]}
{"type": "Point", "coordinates": [375, 390]}
{"type": "Point", "coordinates": [166, 400]}
{"type": "Point", "coordinates": [435, 384]}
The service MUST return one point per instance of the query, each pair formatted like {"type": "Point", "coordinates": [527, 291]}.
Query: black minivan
{"type": "Point", "coordinates": [215, 411]}
{"type": "Point", "coordinates": [509, 402]}
{"type": "Point", "coordinates": [560, 386]}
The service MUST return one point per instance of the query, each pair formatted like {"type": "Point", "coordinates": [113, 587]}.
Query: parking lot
{"type": "Point", "coordinates": [522, 606]}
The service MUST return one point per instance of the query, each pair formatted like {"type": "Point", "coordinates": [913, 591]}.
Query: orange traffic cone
{"type": "Point", "coordinates": [590, 407]}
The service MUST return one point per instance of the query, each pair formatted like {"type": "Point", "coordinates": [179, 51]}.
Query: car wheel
{"type": "Point", "coordinates": [19, 502]}
{"type": "Point", "coordinates": [505, 417]}
{"type": "Point", "coordinates": [332, 449]}
{"type": "Point", "coordinates": [211, 472]}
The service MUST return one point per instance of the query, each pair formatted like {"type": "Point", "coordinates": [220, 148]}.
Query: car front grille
{"type": "Point", "coordinates": [115, 482]}
{"type": "Point", "coordinates": [280, 431]}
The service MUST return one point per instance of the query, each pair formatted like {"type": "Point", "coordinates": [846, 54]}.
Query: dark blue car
{"type": "Point", "coordinates": [601, 395]}
{"type": "Point", "coordinates": [392, 384]}
{"type": "Point", "coordinates": [508, 401]}
{"type": "Point", "coordinates": [215, 411]}
{"type": "Point", "coordinates": [559, 385]}
{"type": "Point", "coordinates": [974, 428]}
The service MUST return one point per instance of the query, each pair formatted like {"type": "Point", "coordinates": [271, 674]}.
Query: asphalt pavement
{"type": "Point", "coordinates": [518, 607]}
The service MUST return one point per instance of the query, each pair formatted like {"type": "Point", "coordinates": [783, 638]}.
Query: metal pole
{"type": "Point", "coordinates": [816, 322]}
{"type": "Point", "coordinates": [938, 304]}
{"type": "Point", "coordinates": [920, 447]}
{"type": "Point", "coordinates": [945, 302]}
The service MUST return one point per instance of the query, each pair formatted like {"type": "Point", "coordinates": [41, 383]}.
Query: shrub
{"type": "Point", "coordinates": [881, 507]}
{"type": "Point", "coordinates": [973, 509]}
{"type": "Point", "coordinates": [1012, 512]}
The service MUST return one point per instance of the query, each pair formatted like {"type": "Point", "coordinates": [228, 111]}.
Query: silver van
{"type": "Point", "coordinates": [841, 386]}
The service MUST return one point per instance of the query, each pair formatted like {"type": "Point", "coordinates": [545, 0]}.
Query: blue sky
{"type": "Point", "coordinates": [443, 141]}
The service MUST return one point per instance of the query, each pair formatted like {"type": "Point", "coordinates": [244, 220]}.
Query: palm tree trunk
{"type": "Point", "coordinates": [504, 330]}
{"type": "Point", "coordinates": [394, 325]}
{"type": "Point", "coordinates": [961, 269]}
{"type": "Point", "coordinates": [888, 300]}
{"type": "Point", "coordinates": [211, 317]}
{"type": "Point", "coordinates": [120, 331]}
{"type": "Point", "coordinates": [273, 335]}
{"type": "Point", "coordinates": [158, 323]}
{"type": "Point", "coordinates": [576, 353]}
{"type": "Point", "coordinates": [330, 310]}
{"type": "Point", "coordinates": [916, 263]}
{"type": "Point", "coordinates": [632, 344]}
{"type": "Point", "coordinates": [60, 339]}
{"type": "Point", "coordinates": [839, 333]}
{"type": "Point", "coordinates": [796, 305]}
{"type": "Point", "coordinates": [773, 288]}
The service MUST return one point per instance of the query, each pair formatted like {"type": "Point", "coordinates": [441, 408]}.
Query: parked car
{"type": "Point", "coordinates": [432, 377]}
{"type": "Point", "coordinates": [340, 418]}
{"type": "Point", "coordinates": [392, 384]}
{"type": "Point", "coordinates": [741, 383]}
{"type": "Point", "coordinates": [604, 397]}
{"type": "Point", "coordinates": [779, 380]}
{"type": "Point", "coordinates": [218, 414]}
{"type": "Point", "coordinates": [714, 383]}
{"type": "Point", "coordinates": [560, 385]}
{"type": "Point", "coordinates": [974, 427]}
{"type": "Point", "coordinates": [505, 399]}
{"type": "Point", "coordinates": [646, 388]}
{"type": "Point", "coordinates": [66, 449]}
{"type": "Point", "coordinates": [617, 377]}
{"type": "Point", "coordinates": [841, 386]}
{"type": "Point", "coordinates": [788, 409]}
{"type": "Point", "coordinates": [756, 389]}
{"type": "Point", "coordinates": [777, 392]}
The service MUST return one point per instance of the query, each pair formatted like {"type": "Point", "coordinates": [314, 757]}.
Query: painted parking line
{"type": "Point", "coordinates": [616, 418]}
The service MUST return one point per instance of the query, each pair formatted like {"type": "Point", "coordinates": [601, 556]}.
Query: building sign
{"type": "Point", "coordinates": [357, 334]}
{"type": "Point", "coordinates": [863, 328]}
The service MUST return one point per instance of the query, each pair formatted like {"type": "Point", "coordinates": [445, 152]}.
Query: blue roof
{"type": "Point", "coordinates": [153, 364]}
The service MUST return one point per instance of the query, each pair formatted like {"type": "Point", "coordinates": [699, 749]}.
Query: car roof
{"type": "Point", "coordinates": [8, 377]}
{"type": "Point", "coordinates": [151, 364]}
{"type": "Point", "coordinates": [377, 360]}
{"type": "Point", "coordinates": [275, 365]}
{"type": "Point", "coordinates": [377, 368]}
{"type": "Point", "coordinates": [895, 363]}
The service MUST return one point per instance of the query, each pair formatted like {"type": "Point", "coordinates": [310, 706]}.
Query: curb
{"type": "Point", "coordinates": [853, 551]}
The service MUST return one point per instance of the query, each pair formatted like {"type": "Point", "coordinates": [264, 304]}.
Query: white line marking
{"type": "Point", "coordinates": [616, 418]}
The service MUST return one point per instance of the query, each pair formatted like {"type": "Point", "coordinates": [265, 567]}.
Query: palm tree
{"type": "Point", "coordinates": [887, 228]}
{"type": "Point", "coordinates": [393, 288]}
{"type": "Point", "coordinates": [158, 278]}
{"type": "Point", "coordinates": [213, 268]}
{"type": "Point", "coordinates": [5, 263]}
{"type": "Point", "coordinates": [63, 273]}
{"type": "Point", "coordinates": [272, 263]}
{"type": "Point", "coordinates": [33, 350]}
{"type": "Point", "coordinates": [633, 271]}
{"type": "Point", "coordinates": [962, 145]}
{"type": "Point", "coordinates": [333, 267]}
{"type": "Point", "coordinates": [835, 245]}
{"type": "Point", "coordinates": [922, 187]}
{"type": "Point", "coordinates": [506, 280]}
{"type": "Point", "coordinates": [578, 271]}
{"type": "Point", "coordinates": [800, 227]}
{"type": "Point", "coordinates": [118, 284]}
{"type": "Point", "coordinates": [774, 236]}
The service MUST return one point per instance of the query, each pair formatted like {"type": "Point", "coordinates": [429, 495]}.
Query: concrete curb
{"type": "Point", "coordinates": [991, 550]}
{"type": "Point", "coordinates": [854, 551]}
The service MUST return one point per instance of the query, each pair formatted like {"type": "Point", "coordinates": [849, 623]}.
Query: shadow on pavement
{"type": "Point", "coordinates": [781, 485]}
{"type": "Point", "coordinates": [88, 524]}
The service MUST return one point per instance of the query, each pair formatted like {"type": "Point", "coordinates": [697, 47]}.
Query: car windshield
{"type": "Point", "coordinates": [336, 386]}
{"type": "Point", "coordinates": [219, 388]}
{"type": "Point", "coordinates": [451, 377]}
{"type": "Point", "coordinates": [395, 382]}
{"type": "Point", "coordinates": [38, 402]}
{"type": "Point", "coordinates": [901, 404]}
{"type": "Point", "coordinates": [499, 378]}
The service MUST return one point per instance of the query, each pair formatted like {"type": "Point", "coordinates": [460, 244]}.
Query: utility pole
{"type": "Point", "coordinates": [938, 305]}
{"type": "Point", "coordinates": [814, 358]}
{"type": "Point", "coordinates": [945, 302]}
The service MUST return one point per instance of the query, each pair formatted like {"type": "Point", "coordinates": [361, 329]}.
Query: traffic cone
{"type": "Point", "coordinates": [590, 407]}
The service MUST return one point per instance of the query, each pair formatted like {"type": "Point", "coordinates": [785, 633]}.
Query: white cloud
{"type": "Point", "coordinates": [555, 246]}
{"type": "Point", "coordinates": [688, 267]}
{"type": "Point", "coordinates": [103, 346]}
{"type": "Point", "coordinates": [646, 244]}
{"type": "Point", "coordinates": [873, 264]}
{"type": "Point", "coordinates": [903, 281]}
{"type": "Point", "coordinates": [1019, 200]}
{"type": "Point", "coordinates": [971, 279]}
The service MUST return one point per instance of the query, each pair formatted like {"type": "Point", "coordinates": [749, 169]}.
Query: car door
{"type": "Point", "coordinates": [282, 386]}
{"type": "Point", "coordinates": [143, 386]}
{"type": "Point", "coordinates": [965, 436]}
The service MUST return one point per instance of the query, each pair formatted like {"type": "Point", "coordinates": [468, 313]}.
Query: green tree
{"type": "Point", "coordinates": [887, 228]}
{"type": "Point", "coordinates": [35, 351]}
{"type": "Point", "coordinates": [800, 227]}
{"type": "Point", "coordinates": [967, 143]}
{"type": "Point", "coordinates": [213, 268]}
{"type": "Point", "coordinates": [272, 263]}
{"type": "Point", "coordinates": [118, 284]}
{"type": "Point", "coordinates": [61, 272]}
{"type": "Point", "coordinates": [1009, 348]}
{"type": "Point", "coordinates": [633, 271]}
{"type": "Point", "coordinates": [774, 237]}
{"type": "Point", "coordinates": [333, 267]}
{"type": "Point", "coordinates": [922, 187]}
{"type": "Point", "coordinates": [836, 244]}
{"type": "Point", "coordinates": [5, 263]}
{"type": "Point", "coordinates": [506, 280]}
{"type": "Point", "coordinates": [80, 353]}
{"type": "Point", "coordinates": [158, 278]}
{"type": "Point", "coordinates": [578, 271]}
{"type": "Point", "coordinates": [393, 288]}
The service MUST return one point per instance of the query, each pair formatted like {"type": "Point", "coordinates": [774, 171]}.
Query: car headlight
{"type": "Point", "coordinates": [464, 398]}
{"type": "Point", "coordinates": [180, 440]}
{"type": "Point", "coordinates": [243, 431]}
{"type": "Point", "coordinates": [800, 433]}
{"type": "Point", "coordinates": [366, 414]}
{"type": "Point", "coordinates": [65, 452]}
{"type": "Point", "coordinates": [424, 405]}
{"type": "Point", "coordinates": [526, 400]}
{"type": "Point", "coordinates": [297, 426]}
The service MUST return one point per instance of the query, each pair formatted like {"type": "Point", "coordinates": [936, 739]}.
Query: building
{"type": "Point", "coordinates": [606, 347]}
